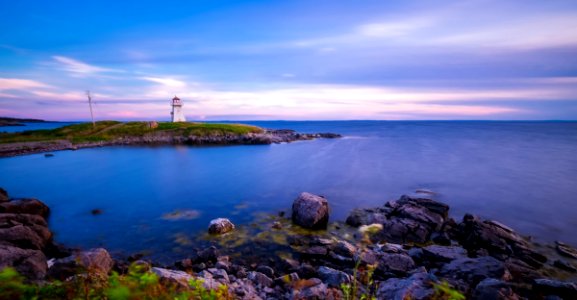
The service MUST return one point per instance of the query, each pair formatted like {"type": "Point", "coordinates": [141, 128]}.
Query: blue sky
{"type": "Point", "coordinates": [293, 60]}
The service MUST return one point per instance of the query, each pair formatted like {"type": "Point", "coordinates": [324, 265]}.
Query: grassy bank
{"type": "Point", "coordinates": [110, 130]}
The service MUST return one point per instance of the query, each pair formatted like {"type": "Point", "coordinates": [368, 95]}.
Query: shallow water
{"type": "Point", "coordinates": [520, 173]}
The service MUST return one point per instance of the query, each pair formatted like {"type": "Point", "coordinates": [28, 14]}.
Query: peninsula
{"type": "Point", "coordinates": [109, 133]}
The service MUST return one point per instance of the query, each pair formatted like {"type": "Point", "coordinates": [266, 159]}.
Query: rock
{"type": "Point", "coordinates": [344, 248]}
{"type": "Point", "coordinates": [179, 277]}
{"type": "Point", "coordinates": [220, 226]}
{"type": "Point", "coordinates": [400, 230]}
{"type": "Point", "coordinates": [491, 288]}
{"type": "Point", "coordinates": [443, 253]}
{"type": "Point", "coordinates": [29, 263]}
{"type": "Point", "coordinates": [48, 155]}
{"type": "Point", "coordinates": [332, 277]}
{"type": "Point", "coordinates": [439, 208]}
{"type": "Point", "coordinates": [96, 212]}
{"type": "Point", "coordinates": [277, 225]}
{"type": "Point", "coordinates": [310, 211]}
{"type": "Point", "coordinates": [566, 250]}
{"type": "Point", "coordinates": [441, 238]}
{"type": "Point", "coordinates": [25, 206]}
{"type": "Point", "coordinates": [473, 270]}
{"type": "Point", "coordinates": [223, 262]}
{"type": "Point", "coordinates": [416, 287]}
{"type": "Point", "coordinates": [92, 261]}
{"type": "Point", "coordinates": [287, 279]}
{"type": "Point", "coordinates": [359, 217]}
{"type": "Point", "coordinates": [152, 124]}
{"type": "Point", "coordinates": [566, 290]}
{"type": "Point", "coordinates": [24, 231]}
{"type": "Point", "coordinates": [565, 266]}
{"type": "Point", "coordinates": [397, 264]}
{"type": "Point", "coordinates": [420, 214]}
{"type": "Point", "coordinates": [3, 195]}
{"type": "Point", "coordinates": [209, 254]}
{"type": "Point", "coordinates": [219, 275]}
{"type": "Point", "coordinates": [259, 278]}
{"type": "Point", "coordinates": [266, 270]}
{"type": "Point", "coordinates": [312, 289]}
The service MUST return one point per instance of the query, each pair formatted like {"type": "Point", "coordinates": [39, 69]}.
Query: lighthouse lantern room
{"type": "Point", "coordinates": [176, 113]}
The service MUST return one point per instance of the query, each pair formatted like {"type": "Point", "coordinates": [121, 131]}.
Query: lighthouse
{"type": "Point", "coordinates": [176, 113]}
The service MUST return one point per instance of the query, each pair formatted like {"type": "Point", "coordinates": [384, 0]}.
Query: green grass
{"type": "Point", "coordinates": [110, 130]}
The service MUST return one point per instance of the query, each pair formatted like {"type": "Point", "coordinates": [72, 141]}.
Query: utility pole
{"type": "Point", "coordinates": [90, 104]}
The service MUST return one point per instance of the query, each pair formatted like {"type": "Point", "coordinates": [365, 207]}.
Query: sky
{"type": "Point", "coordinates": [290, 60]}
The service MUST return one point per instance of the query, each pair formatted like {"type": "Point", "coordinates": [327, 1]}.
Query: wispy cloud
{"type": "Point", "coordinates": [165, 81]}
{"type": "Point", "coordinates": [20, 84]}
{"type": "Point", "coordinates": [80, 68]}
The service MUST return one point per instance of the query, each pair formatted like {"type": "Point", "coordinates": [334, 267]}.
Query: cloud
{"type": "Point", "coordinates": [20, 84]}
{"type": "Point", "coordinates": [165, 81]}
{"type": "Point", "coordinates": [80, 68]}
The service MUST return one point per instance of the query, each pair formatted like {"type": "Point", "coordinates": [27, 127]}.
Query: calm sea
{"type": "Point", "coordinates": [523, 174]}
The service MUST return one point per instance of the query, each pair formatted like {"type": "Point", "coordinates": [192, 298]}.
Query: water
{"type": "Point", "coordinates": [520, 173]}
{"type": "Point", "coordinates": [34, 126]}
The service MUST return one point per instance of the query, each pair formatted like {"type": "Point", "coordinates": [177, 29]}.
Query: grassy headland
{"type": "Point", "coordinates": [110, 130]}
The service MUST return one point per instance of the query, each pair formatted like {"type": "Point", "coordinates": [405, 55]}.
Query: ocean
{"type": "Point", "coordinates": [523, 174]}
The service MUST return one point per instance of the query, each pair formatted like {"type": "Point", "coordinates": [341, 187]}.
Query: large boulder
{"type": "Point", "coordinates": [367, 216]}
{"type": "Point", "coordinates": [545, 287]}
{"type": "Point", "coordinates": [92, 261]}
{"type": "Point", "coordinates": [29, 263]}
{"type": "Point", "coordinates": [395, 264]}
{"type": "Point", "coordinates": [310, 211]}
{"type": "Point", "coordinates": [473, 270]}
{"type": "Point", "coordinates": [24, 231]}
{"type": "Point", "coordinates": [311, 289]}
{"type": "Point", "coordinates": [437, 253]}
{"type": "Point", "coordinates": [492, 288]}
{"type": "Point", "coordinates": [25, 206]}
{"type": "Point", "coordinates": [332, 277]}
{"type": "Point", "coordinates": [220, 226]}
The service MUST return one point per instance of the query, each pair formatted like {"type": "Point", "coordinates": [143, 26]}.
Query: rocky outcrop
{"type": "Point", "coordinates": [25, 206]}
{"type": "Point", "coordinates": [220, 226]}
{"type": "Point", "coordinates": [3, 195]}
{"type": "Point", "coordinates": [30, 263]}
{"type": "Point", "coordinates": [91, 261]}
{"type": "Point", "coordinates": [310, 211]}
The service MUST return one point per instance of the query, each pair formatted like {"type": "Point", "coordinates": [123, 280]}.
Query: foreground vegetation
{"type": "Point", "coordinates": [110, 130]}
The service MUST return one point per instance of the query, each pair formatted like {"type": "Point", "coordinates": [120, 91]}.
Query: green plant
{"type": "Point", "coordinates": [364, 276]}
{"type": "Point", "coordinates": [444, 291]}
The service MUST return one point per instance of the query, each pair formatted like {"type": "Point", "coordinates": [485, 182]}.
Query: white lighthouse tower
{"type": "Point", "coordinates": [176, 113]}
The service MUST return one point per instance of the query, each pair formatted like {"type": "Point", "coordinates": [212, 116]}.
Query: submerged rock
{"type": "Point", "coordinates": [220, 226]}
{"type": "Point", "coordinates": [310, 211]}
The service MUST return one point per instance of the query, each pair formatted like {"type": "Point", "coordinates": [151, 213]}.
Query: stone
{"type": "Point", "coordinates": [24, 231]}
{"type": "Point", "coordinates": [416, 287]}
{"type": "Point", "coordinates": [29, 263]}
{"type": "Point", "coordinates": [209, 254]}
{"type": "Point", "coordinates": [366, 216]}
{"type": "Point", "coordinates": [259, 278]}
{"type": "Point", "coordinates": [220, 226]}
{"type": "Point", "coordinates": [3, 195]}
{"type": "Point", "coordinates": [443, 253]}
{"type": "Point", "coordinates": [402, 230]}
{"type": "Point", "coordinates": [310, 211]}
{"type": "Point", "coordinates": [312, 289]}
{"type": "Point", "coordinates": [473, 270]}
{"type": "Point", "coordinates": [397, 264]}
{"type": "Point", "coordinates": [92, 261]}
{"type": "Point", "coordinates": [344, 248]}
{"type": "Point", "coordinates": [25, 206]}
{"type": "Point", "coordinates": [565, 266]}
{"type": "Point", "coordinates": [266, 270]}
{"type": "Point", "coordinates": [287, 279]}
{"type": "Point", "coordinates": [332, 277]}
{"type": "Point", "coordinates": [566, 290]}
{"type": "Point", "coordinates": [437, 207]}
{"type": "Point", "coordinates": [420, 214]}
{"type": "Point", "coordinates": [179, 277]}
{"type": "Point", "coordinates": [566, 250]}
{"type": "Point", "coordinates": [492, 288]}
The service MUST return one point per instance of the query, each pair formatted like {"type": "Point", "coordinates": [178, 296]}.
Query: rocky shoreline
{"type": "Point", "coordinates": [406, 249]}
{"type": "Point", "coordinates": [164, 138]}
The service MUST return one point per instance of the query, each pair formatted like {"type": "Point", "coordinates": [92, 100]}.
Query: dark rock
{"type": "Point", "coordinates": [266, 270]}
{"type": "Point", "coordinates": [48, 155]}
{"type": "Point", "coordinates": [491, 288]}
{"type": "Point", "coordinates": [306, 271]}
{"type": "Point", "coordinates": [359, 217]}
{"type": "Point", "coordinates": [311, 289]}
{"type": "Point", "coordinates": [443, 253]}
{"type": "Point", "coordinates": [332, 277]}
{"type": "Point", "coordinates": [416, 287]}
{"type": "Point", "coordinates": [473, 270]}
{"type": "Point", "coordinates": [96, 212]}
{"type": "Point", "coordinates": [310, 211]}
{"type": "Point", "coordinates": [521, 271]}
{"type": "Point", "coordinates": [56, 250]}
{"type": "Point", "coordinates": [344, 248]}
{"type": "Point", "coordinates": [94, 261]}
{"type": "Point", "coordinates": [566, 290]}
{"type": "Point", "coordinates": [209, 254]}
{"type": "Point", "coordinates": [29, 263]}
{"type": "Point", "coordinates": [289, 264]}
{"type": "Point", "coordinates": [439, 208]}
{"type": "Point", "coordinates": [24, 231]}
{"type": "Point", "coordinates": [441, 238]}
{"type": "Point", "coordinates": [223, 262]}
{"type": "Point", "coordinates": [399, 230]}
{"type": "Point", "coordinates": [3, 195]}
{"type": "Point", "coordinates": [566, 250]}
{"type": "Point", "coordinates": [259, 278]}
{"type": "Point", "coordinates": [220, 226]}
{"type": "Point", "coordinates": [420, 214]}
{"type": "Point", "coordinates": [397, 264]}
{"type": "Point", "coordinates": [565, 266]}
{"type": "Point", "coordinates": [25, 206]}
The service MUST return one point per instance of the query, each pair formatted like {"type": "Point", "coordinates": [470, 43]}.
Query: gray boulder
{"type": "Point", "coordinates": [332, 277]}
{"type": "Point", "coordinates": [92, 261]}
{"type": "Point", "coordinates": [310, 211]}
{"type": "Point", "coordinates": [443, 253]}
{"type": "Point", "coordinates": [494, 289]}
{"type": "Point", "coordinates": [220, 226]}
{"type": "Point", "coordinates": [397, 264]}
{"type": "Point", "coordinates": [473, 270]}
{"type": "Point", "coordinates": [29, 263]}
{"type": "Point", "coordinates": [260, 279]}
{"type": "Point", "coordinates": [416, 287]}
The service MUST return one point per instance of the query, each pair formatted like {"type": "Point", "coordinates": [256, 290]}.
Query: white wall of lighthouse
{"type": "Point", "coordinates": [176, 114]}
